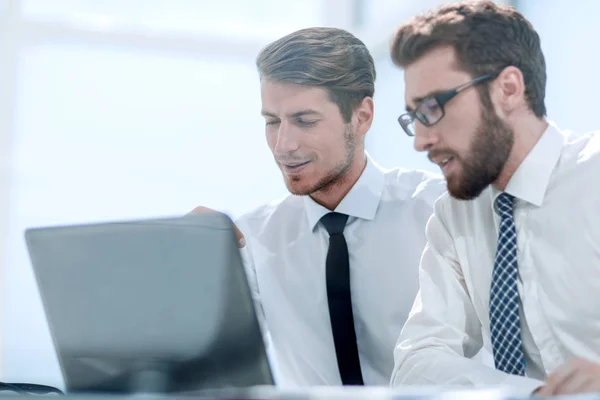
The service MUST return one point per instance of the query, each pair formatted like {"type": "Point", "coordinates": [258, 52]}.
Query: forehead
{"type": "Point", "coordinates": [437, 70]}
{"type": "Point", "coordinates": [284, 97]}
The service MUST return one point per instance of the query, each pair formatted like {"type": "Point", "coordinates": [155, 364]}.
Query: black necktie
{"type": "Point", "coordinates": [339, 299]}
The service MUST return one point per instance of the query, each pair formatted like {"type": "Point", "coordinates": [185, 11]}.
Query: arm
{"type": "Point", "coordinates": [443, 331]}
{"type": "Point", "coordinates": [250, 270]}
{"type": "Point", "coordinates": [249, 267]}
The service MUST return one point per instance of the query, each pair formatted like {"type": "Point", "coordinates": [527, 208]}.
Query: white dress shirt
{"type": "Point", "coordinates": [557, 217]}
{"type": "Point", "coordinates": [285, 254]}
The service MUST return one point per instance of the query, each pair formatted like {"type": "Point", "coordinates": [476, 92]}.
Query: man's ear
{"type": "Point", "coordinates": [509, 90]}
{"type": "Point", "coordinates": [363, 116]}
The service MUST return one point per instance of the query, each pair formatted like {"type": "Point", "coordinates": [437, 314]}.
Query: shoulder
{"type": "Point", "coordinates": [577, 167]}
{"type": "Point", "coordinates": [459, 216]}
{"type": "Point", "coordinates": [578, 161]}
{"type": "Point", "coordinates": [415, 184]}
{"type": "Point", "coordinates": [273, 214]}
{"type": "Point", "coordinates": [583, 148]}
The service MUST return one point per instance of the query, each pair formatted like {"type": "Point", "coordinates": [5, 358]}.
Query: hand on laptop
{"type": "Point", "coordinates": [238, 234]}
{"type": "Point", "coordinates": [576, 376]}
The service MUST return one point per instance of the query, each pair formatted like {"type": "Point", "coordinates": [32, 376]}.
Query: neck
{"type": "Point", "coordinates": [526, 135]}
{"type": "Point", "coordinates": [332, 195]}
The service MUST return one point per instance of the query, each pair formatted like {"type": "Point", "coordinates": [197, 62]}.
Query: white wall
{"type": "Point", "coordinates": [386, 142]}
{"type": "Point", "coordinates": [569, 32]}
{"type": "Point", "coordinates": [155, 134]}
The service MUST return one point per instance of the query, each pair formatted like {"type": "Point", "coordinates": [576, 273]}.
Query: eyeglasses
{"type": "Point", "coordinates": [431, 109]}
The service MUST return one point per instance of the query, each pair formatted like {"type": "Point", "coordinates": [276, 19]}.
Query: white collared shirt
{"type": "Point", "coordinates": [557, 217]}
{"type": "Point", "coordinates": [285, 254]}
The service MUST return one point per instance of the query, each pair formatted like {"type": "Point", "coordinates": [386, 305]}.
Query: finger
{"type": "Point", "coordinates": [544, 391]}
{"type": "Point", "coordinates": [239, 236]}
{"type": "Point", "coordinates": [576, 383]}
{"type": "Point", "coordinates": [586, 379]}
{"type": "Point", "coordinates": [593, 386]}
{"type": "Point", "coordinates": [562, 375]}
{"type": "Point", "coordinates": [557, 378]}
{"type": "Point", "coordinates": [536, 391]}
{"type": "Point", "coordinates": [201, 210]}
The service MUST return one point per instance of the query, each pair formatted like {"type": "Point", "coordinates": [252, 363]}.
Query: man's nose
{"type": "Point", "coordinates": [287, 139]}
{"type": "Point", "coordinates": [426, 137]}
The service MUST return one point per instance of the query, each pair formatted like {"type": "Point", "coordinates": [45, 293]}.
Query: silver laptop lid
{"type": "Point", "coordinates": [156, 305]}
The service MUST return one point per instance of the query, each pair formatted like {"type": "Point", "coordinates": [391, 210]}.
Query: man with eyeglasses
{"type": "Point", "coordinates": [513, 255]}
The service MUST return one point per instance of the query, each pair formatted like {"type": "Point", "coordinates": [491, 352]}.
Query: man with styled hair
{"type": "Point", "coordinates": [333, 266]}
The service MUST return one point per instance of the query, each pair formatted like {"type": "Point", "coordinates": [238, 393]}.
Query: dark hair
{"type": "Point", "coordinates": [486, 37]}
{"type": "Point", "coordinates": [326, 57]}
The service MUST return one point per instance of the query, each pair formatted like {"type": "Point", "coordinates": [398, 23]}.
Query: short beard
{"type": "Point", "coordinates": [487, 156]}
{"type": "Point", "coordinates": [337, 174]}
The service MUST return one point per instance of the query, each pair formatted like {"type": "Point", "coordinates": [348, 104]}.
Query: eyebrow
{"type": "Point", "coordinates": [294, 114]}
{"type": "Point", "coordinates": [418, 100]}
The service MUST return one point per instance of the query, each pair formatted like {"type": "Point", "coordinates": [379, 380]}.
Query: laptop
{"type": "Point", "coordinates": [152, 306]}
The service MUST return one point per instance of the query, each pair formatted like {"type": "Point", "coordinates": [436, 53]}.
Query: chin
{"type": "Point", "coordinates": [455, 188]}
{"type": "Point", "coordinates": [460, 191]}
{"type": "Point", "coordinates": [298, 187]}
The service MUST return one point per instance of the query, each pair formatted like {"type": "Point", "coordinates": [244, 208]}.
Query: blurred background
{"type": "Point", "coordinates": [114, 109]}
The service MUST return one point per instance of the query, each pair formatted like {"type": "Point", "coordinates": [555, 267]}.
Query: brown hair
{"type": "Point", "coordinates": [486, 37]}
{"type": "Point", "coordinates": [326, 57]}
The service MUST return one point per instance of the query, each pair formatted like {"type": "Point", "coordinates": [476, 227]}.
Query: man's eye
{"type": "Point", "coordinates": [429, 107]}
{"type": "Point", "coordinates": [306, 123]}
{"type": "Point", "coordinates": [432, 107]}
{"type": "Point", "coordinates": [272, 123]}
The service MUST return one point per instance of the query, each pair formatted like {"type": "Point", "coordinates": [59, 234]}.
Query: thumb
{"type": "Point", "coordinates": [239, 236]}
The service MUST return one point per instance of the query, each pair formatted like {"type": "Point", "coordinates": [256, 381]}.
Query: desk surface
{"type": "Point", "coordinates": [325, 393]}
{"type": "Point", "coordinates": [374, 393]}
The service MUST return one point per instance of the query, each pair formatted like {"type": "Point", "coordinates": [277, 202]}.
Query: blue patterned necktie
{"type": "Point", "coordinates": [505, 325]}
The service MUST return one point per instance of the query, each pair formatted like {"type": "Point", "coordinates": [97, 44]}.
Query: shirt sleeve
{"type": "Point", "coordinates": [250, 269]}
{"type": "Point", "coordinates": [431, 188]}
{"type": "Point", "coordinates": [443, 332]}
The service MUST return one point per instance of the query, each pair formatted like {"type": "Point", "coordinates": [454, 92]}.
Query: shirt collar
{"type": "Point", "coordinates": [531, 179]}
{"type": "Point", "coordinates": [360, 202]}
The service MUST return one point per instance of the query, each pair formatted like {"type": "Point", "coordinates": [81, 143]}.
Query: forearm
{"type": "Point", "coordinates": [442, 367]}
